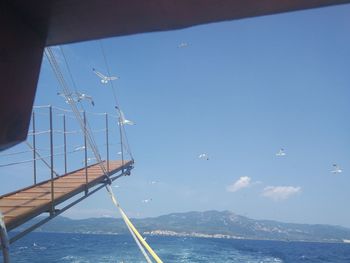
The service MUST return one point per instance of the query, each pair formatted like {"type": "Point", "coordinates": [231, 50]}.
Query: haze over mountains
{"type": "Point", "coordinates": [217, 224]}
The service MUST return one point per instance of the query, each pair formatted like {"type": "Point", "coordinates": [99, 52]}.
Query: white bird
{"type": "Point", "coordinates": [79, 148]}
{"type": "Point", "coordinates": [146, 200]}
{"type": "Point", "coordinates": [76, 97]}
{"type": "Point", "coordinates": [203, 156]}
{"type": "Point", "coordinates": [83, 96]}
{"type": "Point", "coordinates": [68, 99]}
{"type": "Point", "coordinates": [122, 120]}
{"type": "Point", "coordinates": [154, 182]}
{"type": "Point", "coordinates": [89, 160]}
{"type": "Point", "coordinates": [336, 169]}
{"type": "Point", "coordinates": [116, 186]}
{"type": "Point", "coordinates": [104, 79]}
{"type": "Point", "coordinates": [281, 152]}
{"type": "Point", "coordinates": [182, 45]}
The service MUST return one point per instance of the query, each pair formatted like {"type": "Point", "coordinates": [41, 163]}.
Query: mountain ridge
{"type": "Point", "coordinates": [220, 224]}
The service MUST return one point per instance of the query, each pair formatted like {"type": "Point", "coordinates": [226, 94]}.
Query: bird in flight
{"type": "Point", "coordinates": [182, 45]}
{"type": "Point", "coordinates": [83, 96]}
{"type": "Point", "coordinates": [79, 148]}
{"type": "Point", "coordinates": [89, 160]}
{"type": "Point", "coordinates": [76, 97]}
{"type": "Point", "coordinates": [104, 79]}
{"type": "Point", "coordinates": [336, 169]}
{"type": "Point", "coordinates": [146, 200]}
{"type": "Point", "coordinates": [203, 156]}
{"type": "Point", "coordinates": [122, 120]}
{"type": "Point", "coordinates": [281, 152]}
{"type": "Point", "coordinates": [67, 99]}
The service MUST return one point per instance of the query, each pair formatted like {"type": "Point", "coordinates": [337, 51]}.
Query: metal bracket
{"type": "Point", "coordinates": [4, 241]}
{"type": "Point", "coordinates": [128, 170]}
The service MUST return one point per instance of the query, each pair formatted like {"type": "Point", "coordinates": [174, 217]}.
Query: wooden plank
{"type": "Point", "coordinates": [15, 209]}
{"type": "Point", "coordinates": [19, 207]}
{"type": "Point", "coordinates": [20, 202]}
{"type": "Point", "coordinates": [27, 196]}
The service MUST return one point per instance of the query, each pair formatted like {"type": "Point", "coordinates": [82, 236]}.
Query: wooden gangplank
{"type": "Point", "coordinates": [21, 206]}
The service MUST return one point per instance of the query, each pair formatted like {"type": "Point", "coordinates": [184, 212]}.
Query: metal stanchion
{"type": "Point", "coordinates": [121, 139]}
{"type": "Point", "coordinates": [85, 150]}
{"type": "Point", "coordinates": [51, 164]}
{"type": "Point", "coordinates": [107, 143]}
{"type": "Point", "coordinates": [65, 144]}
{"type": "Point", "coordinates": [34, 148]}
{"type": "Point", "coordinates": [4, 241]}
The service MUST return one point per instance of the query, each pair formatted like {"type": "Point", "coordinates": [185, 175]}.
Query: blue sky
{"type": "Point", "coordinates": [239, 91]}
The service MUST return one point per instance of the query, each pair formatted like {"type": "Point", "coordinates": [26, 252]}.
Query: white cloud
{"type": "Point", "coordinates": [280, 192]}
{"type": "Point", "coordinates": [241, 183]}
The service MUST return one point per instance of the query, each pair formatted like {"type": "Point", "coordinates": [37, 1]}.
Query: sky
{"type": "Point", "coordinates": [239, 91]}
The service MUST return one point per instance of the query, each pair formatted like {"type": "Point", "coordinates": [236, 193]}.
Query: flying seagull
{"type": "Point", "coordinates": [104, 79]}
{"type": "Point", "coordinates": [83, 96]}
{"type": "Point", "coordinates": [69, 99]}
{"type": "Point", "coordinates": [89, 160]}
{"type": "Point", "coordinates": [336, 169]}
{"type": "Point", "coordinates": [79, 148]}
{"type": "Point", "coordinates": [203, 156]}
{"type": "Point", "coordinates": [182, 45]}
{"type": "Point", "coordinates": [76, 97]}
{"type": "Point", "coordinates": [122, 119]}
{"type": "Point", "coordinates": [281, 153]}
{"type": "Point", "coordinates": [146, 200]}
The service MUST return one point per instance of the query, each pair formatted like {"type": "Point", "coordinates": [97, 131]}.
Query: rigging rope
{"type": "Point", "coordinates": [109, 72]}
{"type": "Point", "coordinates": [83, 125]}
{"type": "Point", "coordinates": [14, 153]}
{"type": "Point", "coordinates": [69, 71]}
{"type": "Point", "coordinates": [121, 127]}
{"type": "Point", "coordinates": [129, 224]}
{"type": "Point", "coordinates": [41, 106]}
{"type": "Point", "coordinates": [139, 245]}
{"type": "Point", "coordinates": [42, 159]}
{"type": "Point", "coordinates": [86, 129]}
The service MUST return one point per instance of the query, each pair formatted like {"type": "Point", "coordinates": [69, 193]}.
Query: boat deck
{"type": "Point", "coordinates": [21, 206]}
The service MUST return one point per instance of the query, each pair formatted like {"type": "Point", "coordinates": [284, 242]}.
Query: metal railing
{"type": "Point", "coordinates": [37, 156]}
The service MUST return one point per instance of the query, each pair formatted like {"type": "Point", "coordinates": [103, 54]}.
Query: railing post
{"type": "Point", "coordinates": [107, 143]}
{"type": "Point", "coordinates": [121, 140]}
{"type": "Point", "coordinates": [4, 241]}
{"type": "Point", "coordinates": [34, 148]}
{"type": "Point", "coordinates": [65, 144]}
{"type": "Point", "coordinates": [85, 150]}
{"type": "Point", "coordinates": [51, 164]}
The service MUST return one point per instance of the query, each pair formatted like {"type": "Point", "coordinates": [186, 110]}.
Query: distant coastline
{"type": "Point", "coordinates": [221, 236]}
{"type": "Point", "coordinates": [209, 224]}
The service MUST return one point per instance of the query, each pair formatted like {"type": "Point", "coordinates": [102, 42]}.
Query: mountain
{"type": "Point", "coordinates": [223, 224]}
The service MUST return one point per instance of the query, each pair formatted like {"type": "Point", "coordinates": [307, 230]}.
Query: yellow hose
{"type": "Point", "coordinates": [128, 222]}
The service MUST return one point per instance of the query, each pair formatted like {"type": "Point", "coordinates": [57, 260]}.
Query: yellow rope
{"type": "Point", "coordinates": [128, 223]}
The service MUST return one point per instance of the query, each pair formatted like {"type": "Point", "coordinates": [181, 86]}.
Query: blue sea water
{"type": "Point", "coordinates": [86, 248]}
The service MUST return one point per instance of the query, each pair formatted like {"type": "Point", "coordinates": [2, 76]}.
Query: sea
{"type": "Point", "coordinates": [93, 248]}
